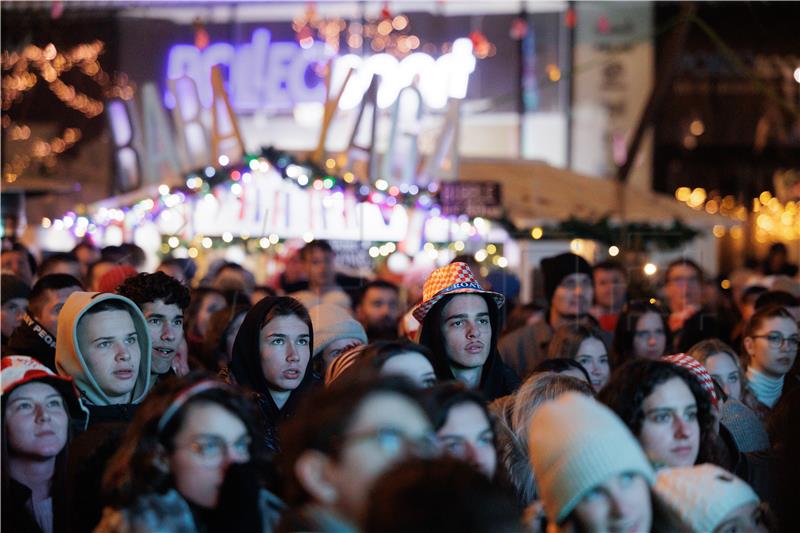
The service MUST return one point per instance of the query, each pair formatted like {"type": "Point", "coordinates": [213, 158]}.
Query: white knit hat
{"type": "Point", "coordinates": [576, 444]}
{"type": "Point", "coordinates": [701, 496]}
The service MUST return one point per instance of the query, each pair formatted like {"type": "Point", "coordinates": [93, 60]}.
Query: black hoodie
{"type": "Point", "coordinates": [31, 338]}
{"type": "Point", "coordinates": [497, 379]}
{"type": "Point", "coordinates": [246, 369]}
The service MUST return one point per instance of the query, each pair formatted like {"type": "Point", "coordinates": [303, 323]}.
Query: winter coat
{"type": "Point", "coordinates": [31, 338]}
{"type": "Point", "coordinates": [246, 370]}
{"type": "Point", "coordinates": [170, 513]}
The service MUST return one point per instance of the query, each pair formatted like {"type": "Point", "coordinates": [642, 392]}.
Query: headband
{"type": "Point", "coordinates": [186, 395]}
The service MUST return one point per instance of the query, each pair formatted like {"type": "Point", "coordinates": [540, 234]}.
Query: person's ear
{"type": "Point", "coordinates": [748, 344]}
{"type": "Point", "coordinates": [314, 470]}
{"type": "Point", "coordinates": [161, 459]}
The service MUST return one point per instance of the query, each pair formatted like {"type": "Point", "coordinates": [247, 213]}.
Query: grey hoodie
{"type": "Point", "coordinates": [70, 360]}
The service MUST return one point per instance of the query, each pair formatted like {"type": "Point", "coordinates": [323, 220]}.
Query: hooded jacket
{"type": "Point", "coordinates": [70, 360]}
{"type": "Point", "coordinates": [31, 338]}
{"type": "Point", "coordinates": [246, 370]}
{"type": "Point", "coordinates": [497, 379]}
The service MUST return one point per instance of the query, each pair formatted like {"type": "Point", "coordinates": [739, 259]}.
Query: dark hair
{"type": "Point", "coordinates": [19, 247]}
{"type": "Point", "coordinates": [196, 299]}
{"type": "Point", "coordinates": [752, 292]}
{"type": "Point", "coordinates": [54, 259]}
{"type": "Point", "coordinates": [126, 253]}
{"type": "Point", "coordinates": [145, 288]}
{"type": "Point", "coordinates": [438, 495]}
{"type": "Point", "coordinates": [776, 298]}
{"type": "Point", "coordinates": [625, 330]}
{"type": "Point", "coordinates": [375, 355]}
{"type": "Point", "coordinates": [85, 243]}
{"type": "Point", "coordinates": [93, 266]}
{"type": "Point", "coordinates": [324, 417]}
{"type": "Point", "coordinates": [376, 284]}
{"type": "Point", "coordinates": [441, 398]}
{"type": "Point", "coordinates": [50, 282]}
{"type": "Point", "coordinates": [430, 334]}
{"type": "Point", "coordinates": [683, 262]}
{"type": "Point", "coordinates": [321, 244]}
{"type": "Point", "coordinates": [265, 289]}
{"type": "Point", "coordinates": [567, 339]}
{"type": "Point", "coordinates": [138, 467]}
{"type": "Point", "coordinates": [184, 264]}
{"type": "Point", "coordinates": [286, 306]}
{"type": "Point", "coordinates": [634, 381]}
{"type": "Point", "coordinates": [758, 318]}
{"type": "Point", "coordinates": [219, 325]}
{"type": "Point", "coordinates": [558, 365]}
{"type": "Point", "coordinates": [609, 264]}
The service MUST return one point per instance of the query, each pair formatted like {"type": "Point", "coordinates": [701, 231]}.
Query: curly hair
{"type": "Point", "coordinates": [145, 288]}
{"type": "Point", "coordinates": [636, 380]}
{"type": "Point", "coordinates": [138, 467]}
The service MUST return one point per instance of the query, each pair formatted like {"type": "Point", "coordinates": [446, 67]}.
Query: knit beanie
{"type": "Point", "coordinates": [576, 444]}
{"type": "Point", "coordinates": [332, 323]}
{"type": "Point", "coordinates": [702, 495]}
{"type": "Point", "coordinates": [698, 370]}
{"type": "Point", "coordinates": [12, 287]}
{"type": "Point", "coordinates": [554, 269]}
{"type": "Point", "coordinates": [112, 279]}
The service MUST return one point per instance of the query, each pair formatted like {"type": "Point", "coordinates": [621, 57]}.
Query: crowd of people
{"type": "Point", "coordinates": [156, 402]}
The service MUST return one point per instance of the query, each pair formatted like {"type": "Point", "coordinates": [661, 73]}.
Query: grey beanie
{"type": "Point", "coordinates": [332, 323]}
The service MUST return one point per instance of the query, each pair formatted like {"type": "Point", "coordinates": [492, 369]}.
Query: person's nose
{"type": "Point", "coordinates": [168, 332]}
{"type": "Point", "coordinates": [681, 428]}
{"type": "Point", "coordinates": [41, 414]}
{"type": "Point", "coordinates": [291, 353]}
{"type": "Point", "coordinates": [123, 352]}
{"type": "Point", "coordinates": [651, 339]}
{"type": "Point", "coordinates": [473, 331]}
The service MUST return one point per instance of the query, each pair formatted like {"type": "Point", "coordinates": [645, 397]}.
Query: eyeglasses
{"type": "Point", "coordinates": [775, 339]}
{"type": "Point", "coordinates": [212, 450]}
{"type": "Point", "coordinates": [393, 441]}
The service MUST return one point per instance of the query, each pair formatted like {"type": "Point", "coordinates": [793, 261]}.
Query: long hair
{"type": "Point", "coordinates": [567, 340]}
{"type": "Point", "coordinates": [756, 321]}
{"type": "Point", "coordinates": [634, 381]}
{"type": "Point", "coordinates": [139, 466]}
{"type": "Point", "coordinates": [626, 329]}
{"type": "Point", "coordinates": [705, 349]}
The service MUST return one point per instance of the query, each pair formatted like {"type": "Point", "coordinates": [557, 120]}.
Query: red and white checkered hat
{"type": "Point", "coordinates": [16, 370]}
{"type": "Point", "coordinates": [454, 278]}
{"type": "Point", "coordinates": [697, 369]}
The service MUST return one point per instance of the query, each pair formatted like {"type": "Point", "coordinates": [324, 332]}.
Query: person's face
{"type": "Point", "coordinates": [725, 372]}
{"type": "Point", "coordinates": [385, 430]}
{"type": "Point", "coordinates": [36, 421]}
{"type": "Point", "coordinates": [165, 325]}
{"type": "Point", "coordinates": [337, 347]}
{"type": "Point", "coordinates": [12, 312]}
{"type": "Point", "coordinates": [110, 347]}
{"type": "Point", "coordinates": [54, 301]}
{"type": "Point", "coordinates": [17, 262]}
{"type": "Point", "coordinates": [210, 439]}
{"type": "Point", "coordinates": [467, 330]}
{"type": "Point", "coordinates": [748, 517]}
{"type": "Point", "coordinates": [231, 336]}
{"type": "Point", "coordinates": [212, 302]}
{"type": "Point", "coordinates": [773, 357]}
{"type": "Point", "coordinates": [682, 288]}
{"type": "Point", "coordinates": [592, 356]}
{"type": "Point", "coordinates": [573, 296]}
{"type": "Point", "coordinates": [285, 352]}
{"type": "Point", "coordinates": [621, 504]}
{"type": "Point", "coordinates": [64, 267]}
{"type": "Point", "coordinates": [649, 337]}
{"type": "Point", "coordinates": [379, 308]}
{"type": "Point", "coordinates": [319, 265]}
{"type": "Point", "coordinates": [412, 365]}
{"type": "Point", "coordinates": [609, 288]}
{"type": "Point", "coordinates": [670, 433]}
{"type": "Point", "coordinates": [467, 434]}
{"type": "Point", "coordinates": [173, 271]}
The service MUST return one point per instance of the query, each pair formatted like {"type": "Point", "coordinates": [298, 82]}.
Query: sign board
{"type": "Point", "coordinates": [473, 198]}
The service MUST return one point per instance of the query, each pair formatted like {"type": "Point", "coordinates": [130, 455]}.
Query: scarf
{"type": "Point", "coordinates": [768, 390]}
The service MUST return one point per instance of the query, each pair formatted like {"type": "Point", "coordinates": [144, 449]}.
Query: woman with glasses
{"type": "Point", "coordinates": [641, 333]}
{"type": "Point", "coordinates": [190, 462]}
{"type": "Point", "coordinates": [271, 358]}
{"type": "Point", "coordinates": [770, 342]}
{"type": "Point", "coordinates": [464, 427]}
{"type": "Point", "coordinates": [342, 439]}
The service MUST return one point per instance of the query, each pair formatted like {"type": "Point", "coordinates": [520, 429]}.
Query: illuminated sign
{"type": "Point", "coordinates": [263, 74]}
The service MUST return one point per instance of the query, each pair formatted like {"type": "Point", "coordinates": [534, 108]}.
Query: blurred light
{"type": "Point", "coordinates": [725, 284]}
{"type": "Point", "coordinates": [719, 231]}
{"type": "Point", "coordinates": [174, 242]}
{"type": "Point", "coordinates": [223, 160]}
{"type": "Point", "coordinates": [207, 242]}
{"type": "Point", "coordinates": [690, 142]}
{"type": "Point", "coordinates": [330, 164]}
{"type": "Point", "coordinates": [459, 246]}
{"type": "Point", "coordinates": [227, 236]}
{"type": "Point", "coordinates": [764, 197]}
{"type": "Point", "coordinates": [46, 222]}
{"type": "Point", "coordinates": [653, 301]}
{"type": "Point", "coordinates": [374, 251]}
{"type": "Point", "coordinates": [302, 180]}
{"type": "Point", "coordinates": [502, 262]}
{"type": "Point", "coordinates": [349, 177]}
{"type": "Point", "coordinates": [481, 255]}
{"type": "Point", "coordinates": [263, 242]}
{"type": "Point", "coordinates": [650, 269]}
{"type": "Point", "coordinates": [712, 206]}
{"type": "Point", "coordinates": [797, 74]}
{"type": "Point", "coordinates": [682, 194]}
{"type": "Point", "coordinates": [491, 249]}
{"type": "Point", "coordinates": [576, 245]}
{"type": "Point", "coordinates": [193, 252]}
{"type": "Point", "coordinates": [697, 197]}
{"type": "Point", "coordinates": [209, 172]}
{"type": "Point", "coordinates": [381, 184]}
{"type": "Point", "coordinates": [163, 190]}
{"type": "Point", "coordinates": [537, 233]}
{"type": "Point", "coordinates": [553, 72]}
{"type": "Point", "coordinates": [293, 171]}
{"type": "Point", "coordinates": [613, 251]}
{"type": "Point", "coordinates": [308, 236]}
{"type": "Point", "coordinates": [236, 189]}
{"type": "Point", "coordinates": [697, 128]}
{"type": "Point", "coordinates": [273, 238]}
{"type": "Point", "coordinates": [737, 232]}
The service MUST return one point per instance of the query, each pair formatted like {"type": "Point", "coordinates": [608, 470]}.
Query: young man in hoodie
{"type": "Point", "coordinates": [460, 325]}
{"type": "Point", "coordinates": [162, 299]}
{"type": "Point", "coordinates": [104, 346]}
{"type": "Point", "coordinates": [36, 334]}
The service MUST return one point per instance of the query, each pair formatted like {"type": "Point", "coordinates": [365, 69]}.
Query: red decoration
{"type": "Point", "coordinates": [603, 25]}
{"type": "Point", "coordinates": [385, 13]}
{"type": "Point", "coordinates": [570, 19]}
{"type": "Point", "coordinates": [201, 38]}
{"type": "Point", "coordinates": [519, 29]}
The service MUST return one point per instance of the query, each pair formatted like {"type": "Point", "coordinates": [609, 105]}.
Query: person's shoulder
{"type": "Point", "coordinates": [150, 512]}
